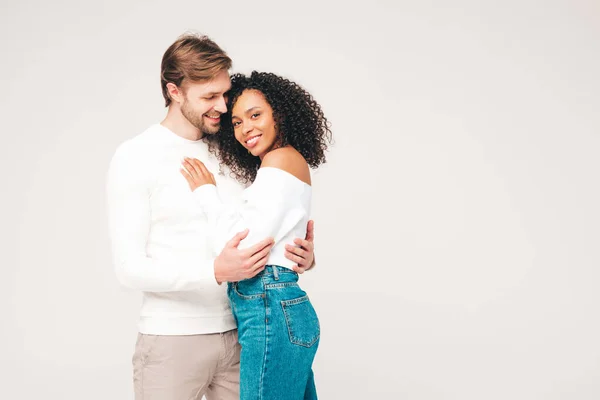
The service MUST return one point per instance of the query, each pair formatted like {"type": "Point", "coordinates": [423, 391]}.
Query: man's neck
{"type": "Point", "coordinates": [179, 125]}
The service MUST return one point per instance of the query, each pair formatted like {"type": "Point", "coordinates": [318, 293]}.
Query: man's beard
{"type": "Point", "coordinates": [198, 120]}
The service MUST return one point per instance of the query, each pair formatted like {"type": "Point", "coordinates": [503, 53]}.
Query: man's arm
{"type": "Point", "coordinates": [234, 265]}
{"type": "Point", "coordinates": [129, 226]}
{"type": "Point", "coordinates": [128, 201]}
{"type": "Point", "coordinates": [264, 209]}
{"type": "Point", "coordinates": [304, 252]}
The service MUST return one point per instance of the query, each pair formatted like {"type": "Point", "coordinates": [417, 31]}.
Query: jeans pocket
{"type": "Point", "coordinates": [248, 289]}
{"type": "Point", "coordinates": [302, 321]}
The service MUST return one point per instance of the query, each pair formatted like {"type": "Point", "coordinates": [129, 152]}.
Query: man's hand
{"type": "Point", "coordinates": [304, 253]}
{"type": "Point", "coordinates": [234, 265]}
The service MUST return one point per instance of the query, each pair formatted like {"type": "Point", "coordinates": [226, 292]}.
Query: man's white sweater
{"type": "Point", "coordinates": [160, 235]}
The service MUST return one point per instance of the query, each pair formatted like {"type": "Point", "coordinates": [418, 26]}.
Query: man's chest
{"type": "Point", "coordinates": [170, 194]}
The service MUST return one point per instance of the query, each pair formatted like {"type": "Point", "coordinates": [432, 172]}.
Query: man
{"type": "Point", "coordinates": [187, 343]}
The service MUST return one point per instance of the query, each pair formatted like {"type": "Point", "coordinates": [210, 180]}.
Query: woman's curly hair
{"type": "Point", "coordinates": [299, 122]}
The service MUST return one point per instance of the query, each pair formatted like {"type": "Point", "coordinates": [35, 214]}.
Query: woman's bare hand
{"type": "Point", "coordinates": [196, 173]}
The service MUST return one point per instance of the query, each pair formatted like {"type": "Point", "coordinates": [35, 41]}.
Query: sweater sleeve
{"type": "Point", "coordinates": [129, 225]}
{"type": "Point", "coordinates": [268, 210]}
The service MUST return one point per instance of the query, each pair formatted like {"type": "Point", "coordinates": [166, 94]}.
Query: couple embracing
{"type": "Point", "coordinates": [209, 216]}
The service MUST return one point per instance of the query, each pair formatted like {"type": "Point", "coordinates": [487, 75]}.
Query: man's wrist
{"type": "Point", "coordinates": [215, 273]}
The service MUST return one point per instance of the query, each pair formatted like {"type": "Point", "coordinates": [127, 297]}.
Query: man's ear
{"type": "Point", "coordinates": [176, 94]}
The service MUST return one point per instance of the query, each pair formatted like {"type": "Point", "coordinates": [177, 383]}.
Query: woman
{"type": "Point", "coordinates": [273, 132]}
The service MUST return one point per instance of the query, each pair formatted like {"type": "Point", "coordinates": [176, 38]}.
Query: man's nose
{"type": "Point", "coordinates": [221, 106]}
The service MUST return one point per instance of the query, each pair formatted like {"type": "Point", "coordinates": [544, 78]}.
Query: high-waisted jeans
{"type": "Point", "coordinates": [279, 332]}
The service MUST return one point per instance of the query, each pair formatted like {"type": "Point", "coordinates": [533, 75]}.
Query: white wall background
{"type": "Point", "coordinates": [457, 220]}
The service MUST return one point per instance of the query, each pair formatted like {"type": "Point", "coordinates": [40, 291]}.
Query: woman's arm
{"type": "Point", "coordinates": [269, 209]}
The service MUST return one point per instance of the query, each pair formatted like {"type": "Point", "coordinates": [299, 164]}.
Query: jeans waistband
{"type": "Point", "coordinates": [274, 272]}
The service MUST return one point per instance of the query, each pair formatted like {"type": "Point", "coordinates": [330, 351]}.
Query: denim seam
{"type": "Point", "coordinates": [280, 285]}
{"type": "Point", "coordinates": [295, 301]}
{"type": "Point", "coordinates": [262, 373]}
{"type": "Point", "coordinates": [281, 270]}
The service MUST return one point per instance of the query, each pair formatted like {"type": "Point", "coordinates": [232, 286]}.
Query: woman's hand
{"type": "Point", "coordinates": [196, 174]}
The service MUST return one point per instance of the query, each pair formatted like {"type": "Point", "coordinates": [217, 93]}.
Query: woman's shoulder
{"type": "Point", "coordinates": [289, 160]}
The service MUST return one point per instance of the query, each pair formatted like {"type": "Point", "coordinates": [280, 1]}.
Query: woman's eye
{"type": "Point", "coordinates": [236, 123]}
{"type": "Point", "coordinates": [255, 115]}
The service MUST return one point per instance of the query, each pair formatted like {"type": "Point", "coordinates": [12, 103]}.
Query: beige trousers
{"type": "Point", "coordinates": [187, 367]}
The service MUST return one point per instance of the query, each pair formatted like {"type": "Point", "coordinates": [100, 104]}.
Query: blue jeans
{"type": "Point", "coordinates": [279, 332]}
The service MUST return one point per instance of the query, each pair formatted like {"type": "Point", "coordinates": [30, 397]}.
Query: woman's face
{"type": "Point", "coordinates": [253, 123]}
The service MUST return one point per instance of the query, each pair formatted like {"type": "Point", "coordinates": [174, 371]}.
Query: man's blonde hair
{"type": "Point", "coordinates": [194, 58]}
